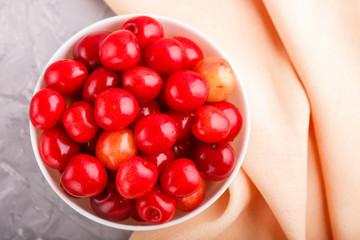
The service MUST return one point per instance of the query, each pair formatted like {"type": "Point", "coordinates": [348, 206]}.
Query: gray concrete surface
{"type": "Point", "coordinates": [30, 32]}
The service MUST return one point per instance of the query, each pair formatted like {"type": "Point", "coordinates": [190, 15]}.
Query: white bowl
{"type": "Point", "coordinates": [214, 189]}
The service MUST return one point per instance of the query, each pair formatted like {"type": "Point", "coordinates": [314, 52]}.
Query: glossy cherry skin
{"type": "Point", "coordinates": [186, 90]}
{"type": "Point", "coordinates": [114, 147]}
{"type": "Point", "coordinates": [191, 202]}
{"type": "Point", "coordinates": [99, 80]}
{"type": "Point", "coordinates": [156, 207]}
{"type": "Point", "coordinates": [46, 108]}
{"type": "Point", "coordinates": [180, 178]}
{"type": "Point", "coordinates": [183, 149]}
{"type": "Point", "coordinates": [79, 122]}
{"type": "Point", "coordinates": [84, 176]}
{"type": "Point", "coordinates": [144, 83]}
{"type": "Point", "coordinates": [215, 160]}
{"type": "Point", "coordinates": [135, 177]}
{"type": "Point", "coordinates": [86, 49]}
{"type": "Point", "coordinates": [66, 76]}
{"type": "Point", "coordinates": [184, 121]}
{"type": "Point", "coordinates": [160, 159]}
{"type": "Point", "coordinates": [56, 147]}
{"type": "Point", "coordinates": [145, 28]}
{"type": "Point", "coordinates": [115, 109]}
{"type": "Point", "coordinates": [192, 52]}
{"type": "Point", "coordinates": [155, 133]}
{"type": "Point", "coordinates": [120, 50]}
{"type": "Point", "coordinates": [144, 110]}
{"type": "Point", "coordinates": [211, 125]}
{"type": "Point", "coordinates": [234, 117]}
{"type": "Point", "coordinates": [219, 75]}
{"type": "Point", "coordinates": [165, 56]}
{"type": "Point", "coordinates": [111, 205]}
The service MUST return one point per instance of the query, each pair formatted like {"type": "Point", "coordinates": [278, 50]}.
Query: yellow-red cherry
{"type": "Point", "coordinates": [191, 202]}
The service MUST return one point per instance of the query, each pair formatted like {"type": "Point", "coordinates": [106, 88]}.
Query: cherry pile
{"type": "Point", "coordinates": [137, 122]}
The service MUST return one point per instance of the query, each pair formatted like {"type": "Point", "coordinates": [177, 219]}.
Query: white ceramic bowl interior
{"type": "Point", "coordinates": [214, 189]}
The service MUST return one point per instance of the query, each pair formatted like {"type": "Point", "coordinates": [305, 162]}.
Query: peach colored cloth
{"type": "Point", "coordinates": [300, 63]}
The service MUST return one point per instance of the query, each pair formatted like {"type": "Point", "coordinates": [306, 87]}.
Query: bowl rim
{"type": "Point", "coordinates": [65, 46]}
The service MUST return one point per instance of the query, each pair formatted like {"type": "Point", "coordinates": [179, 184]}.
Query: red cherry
{"type": "Point", "coordinates": [111, 205]}
{"type": "Point", "coordinates": [46, 108]}
{"type": "Point", "coordinates": [165, 56]}
{"type": "Point", "coordinates": [180, 178]}
{"type": "Point", "coordinates": [135, 177]}
{"type": "Point", "coordinates": [115, 109]}
{"type": "Point", "coordinates": [56, 147]}
{"type": "Point", "coordinates": [84, 176]}
{"type": "Point", "coordinates": [191, 202]}
{"type": "Point", "coordinates": [79, 122]}
{"type": "Point", "coordinates": [211, 125]}
{"type": "Point", "coordinates": [234, 117]}
{"type": "Point", "coordinates": [120, 50]}
{"type": "Point", "coordinates": [66, 76]}
{"type": "Point", "coordinates": [215, 160]}
{"type": "Point", "coordinates": [155, 133]}
{"type": "Point", "coordinates": [186, 90]}
{"type": "Point", "coordinates": [144, 83]}
{"type": "Point", "coordinates": [86, 49]}
{"type": "Point", "coordinates": [145, 28]}
{"type": "Point", "coordinates": [99, 80]}
{"type": "Point", "coordinates": [192, 52]}
{"type": "Point", "coordinates": [144, 110]}
{"type": "Point", "coordinates": [156, 207]}
{"type": "Point", "coordinates": [114, 147]}
{"type": "Point", "coordinates": [183, 149]}
{"type": "Point", "coordinates": [184, 121]}
{"type": "Point", "coordinates": [159, 159]}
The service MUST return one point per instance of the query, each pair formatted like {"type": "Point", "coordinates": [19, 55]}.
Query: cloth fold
{"type": "Point", "coordinates": [299, 61]}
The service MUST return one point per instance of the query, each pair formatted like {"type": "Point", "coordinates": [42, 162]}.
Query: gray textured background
{"type": "Point", "coordinates": [30, 32]}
